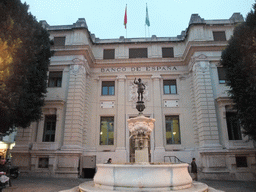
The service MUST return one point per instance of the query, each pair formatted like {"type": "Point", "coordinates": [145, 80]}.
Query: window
{"type": "Point", "coordinates": [43, 162]}
{"type": "Point", "coordinates": [109, 54]}
{"type": "Point", "coordinates": [241, 161]}
{"type": "Point", "coordinates": [107, 131]}
{"type": "Point", "coordinates": [55, 79]}
{"type": "Point", "coordinates": [49, 128]}
{"type": "Point", "coordinates": [167, 52]}
{"type": "Point", "coordinates": [170, 87]}
{"type": "Point", "coordinates": [108, 88]}
{"type": "Point", "coordinates": [172, 129]}
{"type": "Point", "coordinates": [138, 53]}
{"type": "Point", "coordinates": [219, 36]}
{"type": "Point", "coordinates": [234, 130]}
{"type": "Point", "coordinates": [222, 75]}
{"type": "Point", "coordinates": [59, 41]}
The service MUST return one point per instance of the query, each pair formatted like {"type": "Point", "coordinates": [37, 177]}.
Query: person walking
{"type": "Point", "coordinates": [194, 169]}
{"type": "Point", "coordinates": [109, 161]}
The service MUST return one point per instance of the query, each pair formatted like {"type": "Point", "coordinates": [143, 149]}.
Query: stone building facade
{"type": "Point", "coordinates": [91, 95]}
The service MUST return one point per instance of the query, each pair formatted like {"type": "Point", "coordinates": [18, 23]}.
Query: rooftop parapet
{"type": "Point", "coordinates": [235, 18]}
{"type": "Point", "coordinates": [80, 23]}
{"type": "Point", "coordinates": [195, 19]}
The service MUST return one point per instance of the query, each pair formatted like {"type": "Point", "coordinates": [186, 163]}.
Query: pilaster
{"type": "Point", "coordinates": [74, 122]}
{"type": "Point", "coordinates": [120, 118]}
{"type": "Point", "coordinates": [194, 114]}
{"type": "Point", "coordinates": [159, 128]}
{"type": "Point", "coordinates": [205, 106]}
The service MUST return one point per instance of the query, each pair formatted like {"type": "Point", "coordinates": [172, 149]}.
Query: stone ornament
{"type": "Point", "coordinates": [201, 66]}
{"type": "Point", "coordinates": [141, 125]}
{"type": "Point", "coordinates": [77, 67]}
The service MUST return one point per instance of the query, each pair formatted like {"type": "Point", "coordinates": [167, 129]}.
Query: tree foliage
{"type": "Point", "coordinates": [24, 60]}
{"type": "Point", "coordinates": [239, 58]}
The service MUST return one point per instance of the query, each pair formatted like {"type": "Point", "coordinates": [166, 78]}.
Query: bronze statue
{"type": "Point", "coordinates": [141, 88]}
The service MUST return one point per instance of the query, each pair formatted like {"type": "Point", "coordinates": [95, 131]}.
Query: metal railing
{"type": "Point", "coordinates": [173, 159]}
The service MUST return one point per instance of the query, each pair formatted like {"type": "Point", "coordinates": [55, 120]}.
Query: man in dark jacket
{"type": "Point", "coordinates": [194, 169]}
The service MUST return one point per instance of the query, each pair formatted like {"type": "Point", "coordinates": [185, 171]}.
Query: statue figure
{"type": "Point", "coordinates": [141, 88]}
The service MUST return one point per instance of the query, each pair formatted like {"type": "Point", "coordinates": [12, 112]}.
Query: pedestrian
{"type": "Point", "coordinates": [109, 161]}
{"type": "Point", "coordinates": [194, 169]}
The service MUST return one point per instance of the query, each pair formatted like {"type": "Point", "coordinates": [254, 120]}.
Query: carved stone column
{"type": "Point", "coordinates": [159, 127]}
{"type": "Point", "coordinates": [205, 107]}
{"type": "Point", "coordinates": [120, 119]}
{"type": "Point", "coordinates": [74, 122]}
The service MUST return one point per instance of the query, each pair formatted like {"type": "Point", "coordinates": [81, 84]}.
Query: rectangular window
{"type": "Point", "coordinates": [167, 52]}
{"type": "Point", "coordinates": [219, 35]}
{"type": "Point", "coordinates": [222, 75]}
{"type": "Point", "coordinates": [108, 88]}
{"type": "Point", "coordinates": [49, 128]}
{"type": "Point", "coordinates": [59, 41]}
{"type": "Point", "coordinates": [138, 53]}
{"type": "Point", "coordinates": [234, 130]}
{"type": "Point", "coordinates": [43, 162]}
{"type": "Point", "coordinates": [241, 161]}
{"type": "Point", "coordinates": [172, 129]}
{"type": "Point", "coordinates": [109, 54]}
{"type": "Point", "coordinates": [55, 79]}
{"type": "Point", "coordinates": [170, 87]}
{"type": "Point", "coordinates": [107, 131]}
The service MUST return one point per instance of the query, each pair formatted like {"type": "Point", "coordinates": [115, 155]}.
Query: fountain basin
{"type": "Point", "coordinates": [142, 176]}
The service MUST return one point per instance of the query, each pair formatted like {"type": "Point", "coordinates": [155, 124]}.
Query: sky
{"type": "Point", "coordinates": [105, 18]}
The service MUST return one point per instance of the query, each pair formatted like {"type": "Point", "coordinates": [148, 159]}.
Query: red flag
{"type": "Point", "coordinates": [125, 17]}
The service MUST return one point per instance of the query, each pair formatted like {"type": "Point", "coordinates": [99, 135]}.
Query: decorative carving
{"type": "Point", "coordinates": [202, 56]}
{"type": "Point", "coordinates": [201, 66]}
{"type": "Point", "coordinates": [78, 66]}
{"type": "Point", "coordinates": [141, 128]}
{"type": "Point", "coordinates": [198, 59]}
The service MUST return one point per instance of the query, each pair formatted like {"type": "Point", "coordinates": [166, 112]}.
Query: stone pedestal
{"type": "Point", "coordinates": [141, 156]}
{"type": "Point", "coordinates": [141, 128]}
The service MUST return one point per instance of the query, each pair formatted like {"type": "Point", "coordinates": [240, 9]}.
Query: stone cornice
{"type": "Point", "coordinates": [84, 50]}
{"type": "Point", "coordinates": [223, 101]}
{"type": "Point", "coordinates": [202, 46]}
{"type": "Point", "coordinates": [53, 103]}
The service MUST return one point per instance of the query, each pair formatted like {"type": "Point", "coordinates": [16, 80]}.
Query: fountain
{"type": "Point", "coordinates": [142, 176]}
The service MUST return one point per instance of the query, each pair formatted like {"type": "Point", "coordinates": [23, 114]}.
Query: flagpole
{"type": "Point", "coordinates": [145, 31]}
{"type": "Point", "coordinates": [125, 20]}
{"type": "Point", "coordinates": [147, 23]}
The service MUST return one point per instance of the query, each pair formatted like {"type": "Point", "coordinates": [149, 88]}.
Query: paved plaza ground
{"type": "Point", "coordinates": [42, 184]}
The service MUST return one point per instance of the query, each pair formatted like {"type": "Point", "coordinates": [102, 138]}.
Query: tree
{"type": "Point", "coordinates": [239, 59]}
{"type": "Point", "coordinates": [24, 59]}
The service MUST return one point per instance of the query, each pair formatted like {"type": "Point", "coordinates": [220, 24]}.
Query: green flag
{"type": "Point", "coordinates": [147, 18]}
